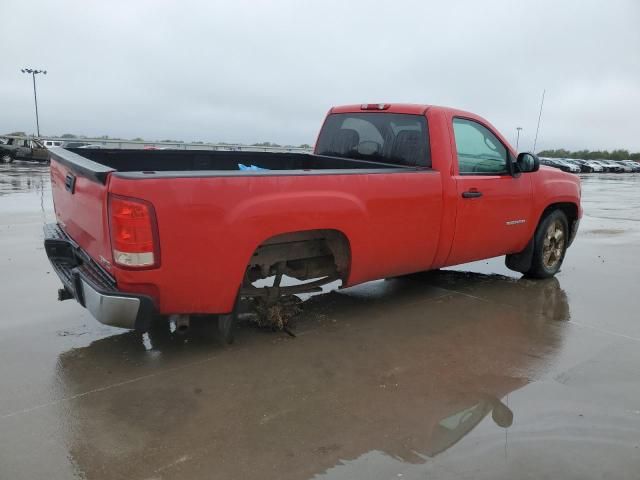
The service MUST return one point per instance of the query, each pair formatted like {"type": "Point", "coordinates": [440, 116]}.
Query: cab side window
{"type": "Point", "coordinates": [479, 151]}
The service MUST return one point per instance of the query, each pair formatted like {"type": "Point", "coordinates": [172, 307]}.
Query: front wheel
{"type": "Point", "coordinates": [6, 158]}
{"type": "Point", "coordinates": [550, 245]}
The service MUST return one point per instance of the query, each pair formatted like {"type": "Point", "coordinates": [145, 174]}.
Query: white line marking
{"type": "Point", "coordinates": [602, 330]}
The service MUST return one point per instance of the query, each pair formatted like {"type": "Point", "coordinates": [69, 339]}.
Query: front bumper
{"type": "Point", "coordinates": [92, 287]}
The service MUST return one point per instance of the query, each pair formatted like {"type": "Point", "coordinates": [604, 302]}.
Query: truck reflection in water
{"type": "Point", "coordinates": [452, 428]}
{"type": "Point", "coordinates": [406, 366]}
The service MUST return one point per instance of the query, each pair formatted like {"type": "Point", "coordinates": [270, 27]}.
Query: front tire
{"type": "Point", "coordinates": [6, 158]}
{"type": "Point", "coordinates": [550, 245]}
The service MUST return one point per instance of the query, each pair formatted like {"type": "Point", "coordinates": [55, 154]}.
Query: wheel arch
{"type": "Point", "coordinates": [521, 261]}
{"type": "Point", "coordinates": [570, 210]}
{"type": "Point", "coordinates": [336, 240]}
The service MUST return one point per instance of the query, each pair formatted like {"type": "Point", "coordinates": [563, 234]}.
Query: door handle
{"type": "Point", "coordinates": [471, 194]}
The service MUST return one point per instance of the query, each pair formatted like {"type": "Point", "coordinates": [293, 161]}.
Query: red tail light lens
{"type": "Point", "coordinates": [134, 237]}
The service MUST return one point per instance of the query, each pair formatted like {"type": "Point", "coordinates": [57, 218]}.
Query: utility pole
{"type": "Point", "coordinates": [33, 73]}
{"type": "Point", "coordinates": [539, 117]}
{"type": "Point", "coordinates": [518, 137]}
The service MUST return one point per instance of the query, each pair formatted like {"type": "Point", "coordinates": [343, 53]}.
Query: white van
{"type": "Point", "coordinates": [52, 143]}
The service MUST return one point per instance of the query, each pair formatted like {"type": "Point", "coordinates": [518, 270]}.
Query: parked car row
{"type": "Point", "coordinates": [574, 165]}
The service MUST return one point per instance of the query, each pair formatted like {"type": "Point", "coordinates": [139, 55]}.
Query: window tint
{"type": "Point", "coordinates": [384, 137]}
{"type": "Point", "coordinates": [479, 151]}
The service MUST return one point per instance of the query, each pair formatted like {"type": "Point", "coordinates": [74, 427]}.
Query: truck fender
{"type": "Point", "coordinates": [521, 261]}
{"type": "Point", "coordinates": [264, 217]}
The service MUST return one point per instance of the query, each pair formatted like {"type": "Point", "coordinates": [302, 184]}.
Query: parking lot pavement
{"type": "Point", "coordinates": [464, 373]}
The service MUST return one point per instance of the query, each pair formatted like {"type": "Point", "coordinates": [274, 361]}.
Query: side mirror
{"type": "Point", "coordinates": [527, 163]}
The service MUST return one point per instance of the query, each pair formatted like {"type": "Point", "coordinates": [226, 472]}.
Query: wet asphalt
{"type": "Point", "coordinates": [464, 373]}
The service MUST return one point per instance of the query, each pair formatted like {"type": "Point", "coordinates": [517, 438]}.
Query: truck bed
{"type": "Point", "coordinates": [212, 216]}
{"type": "Point", "coordinates": [99, 163]}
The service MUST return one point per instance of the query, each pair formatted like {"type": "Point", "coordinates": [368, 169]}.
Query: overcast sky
{"type": "Point", "coordinates": [248, 71]}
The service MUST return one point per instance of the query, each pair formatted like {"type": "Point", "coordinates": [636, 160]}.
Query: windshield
{"type": "Point", "coordinates": [385, 137]}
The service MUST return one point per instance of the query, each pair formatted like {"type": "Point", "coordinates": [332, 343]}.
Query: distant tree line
{"type": "Point", "coordinates": [619, 154]}
{"type": "Point", "coordinates": [271, 144]}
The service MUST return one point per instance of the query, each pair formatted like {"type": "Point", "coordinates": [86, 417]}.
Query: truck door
{"type": "Point", "coordinates": [493, 207]}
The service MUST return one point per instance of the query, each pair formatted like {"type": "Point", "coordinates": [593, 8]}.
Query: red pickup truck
{"type": "Point", "coordinates": [390, 189]}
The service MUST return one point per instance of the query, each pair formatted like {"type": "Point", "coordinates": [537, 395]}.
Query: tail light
{"type": "Point", "coordinates": [134, 232]}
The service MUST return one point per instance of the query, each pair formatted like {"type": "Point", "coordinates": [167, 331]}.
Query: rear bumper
{"type": "Point", "coordinates": [84, 280]}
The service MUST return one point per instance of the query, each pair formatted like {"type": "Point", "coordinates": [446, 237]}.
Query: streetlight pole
{"type": "Point", "coordinates": [33, 73]}
{"type": "Point", "coordinates": [518, 137]}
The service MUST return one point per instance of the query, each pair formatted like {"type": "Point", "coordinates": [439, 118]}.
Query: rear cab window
{"type": "Point", "coordinates": [393, 138]}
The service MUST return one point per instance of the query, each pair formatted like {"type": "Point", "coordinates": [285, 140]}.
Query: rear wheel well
{"type": "Point", "coordinates": [303, 255]}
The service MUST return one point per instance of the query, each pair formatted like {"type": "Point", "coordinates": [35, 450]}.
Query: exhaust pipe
{"type": "Point", "coordinates": [181, 322]}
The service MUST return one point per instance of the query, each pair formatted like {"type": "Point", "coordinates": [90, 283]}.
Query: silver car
{"type": "Point", "coordinates": [595, 166]}
{"type": "Point", "coordinates": [573, 168]}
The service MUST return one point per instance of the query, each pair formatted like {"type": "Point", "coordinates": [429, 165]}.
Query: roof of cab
{"type": "Point", "coordinates": [412, 108]}
{"type": "Point", "coordinates": [407, 108]}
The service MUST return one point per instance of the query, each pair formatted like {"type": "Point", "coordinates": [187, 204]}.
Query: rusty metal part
{"type": "Point", "coordinates": [279, 315]}
{"type": "Point", "coordinates": [301, 255]}
{"type": "Point", "coordinates": [321, 256]}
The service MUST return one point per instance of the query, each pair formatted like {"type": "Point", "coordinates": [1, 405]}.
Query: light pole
{"type": "Point", "coordinates": [518, 137]}
{"type": "Point", "coordinates": [33, 73]}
